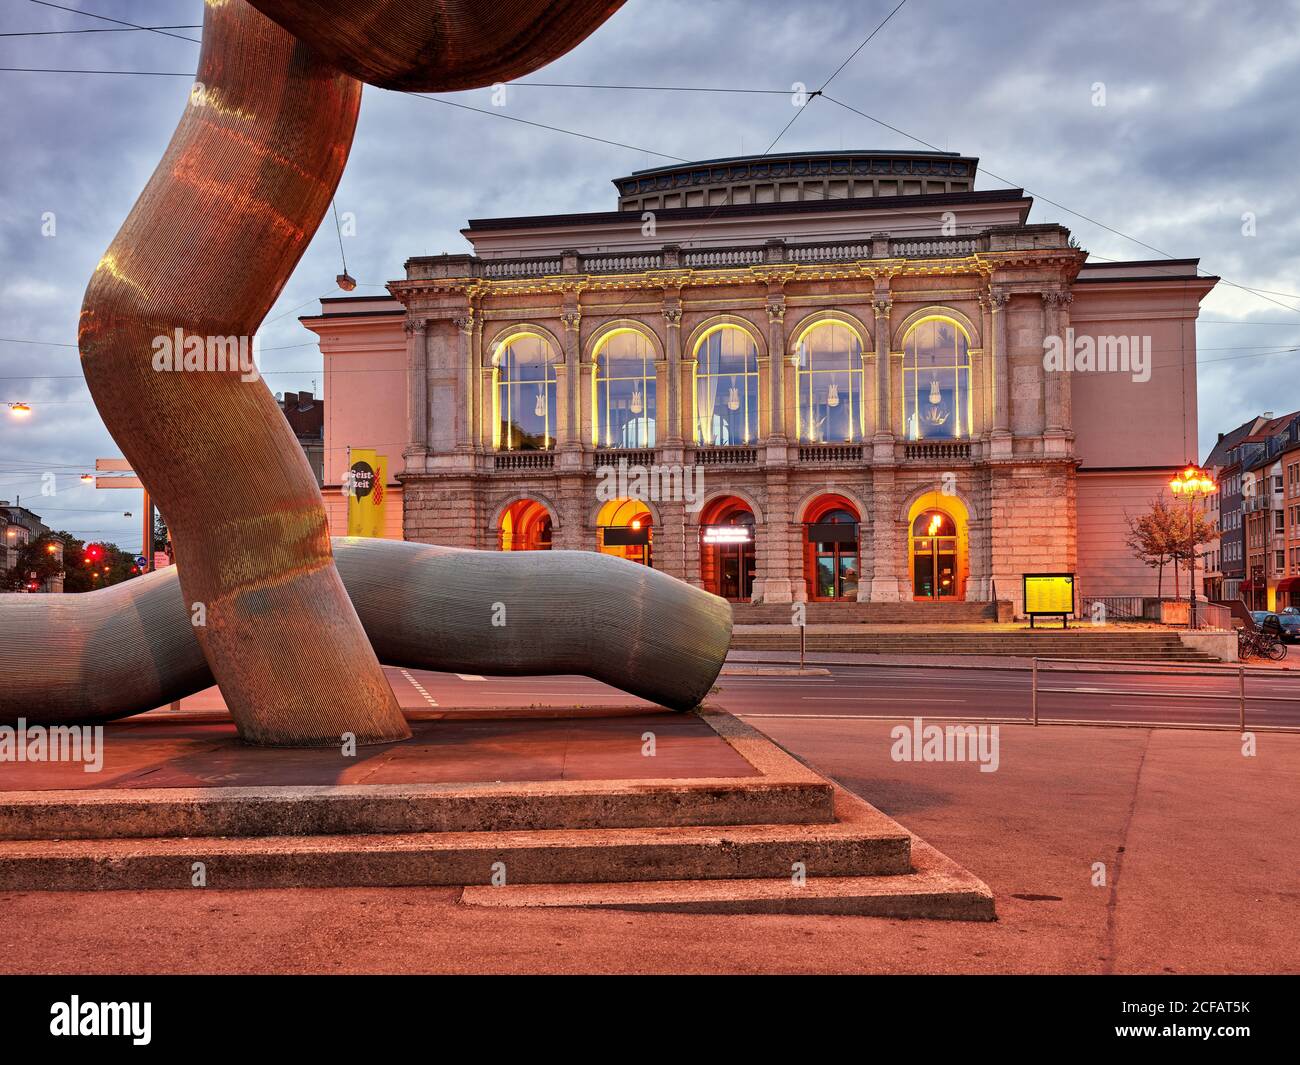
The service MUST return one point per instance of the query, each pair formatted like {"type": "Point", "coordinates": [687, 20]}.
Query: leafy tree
{"type": "Point", "coordinates": [85, 566]}
{"type": "Point", "coordinates": [1168, 534]}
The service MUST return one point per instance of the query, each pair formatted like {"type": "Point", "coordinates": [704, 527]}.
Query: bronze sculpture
{"type": "Point", "coordinates": [202, 256]}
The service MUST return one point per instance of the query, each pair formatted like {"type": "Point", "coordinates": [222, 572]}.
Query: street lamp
{"type": "Point", "coordinates": [20, 410]}
{"type": "Point", "coordinates": [1192, 482]}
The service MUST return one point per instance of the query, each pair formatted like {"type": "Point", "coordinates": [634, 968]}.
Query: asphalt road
{"type": "Point", "coordinates": [873, 691]}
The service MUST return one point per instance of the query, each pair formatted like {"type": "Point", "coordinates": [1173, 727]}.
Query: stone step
{"type": "Point", "coordinates": [936, 888]}
{"type": "Point", "coordinates": [419, 808]}
{"type": "Point", "coordinates": [860, 842]}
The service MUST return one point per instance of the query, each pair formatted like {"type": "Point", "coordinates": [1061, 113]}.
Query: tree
{"type": "Point", "coordinates": [1153, 538]}
{"type": "Point", "coordinates": [85, 566]}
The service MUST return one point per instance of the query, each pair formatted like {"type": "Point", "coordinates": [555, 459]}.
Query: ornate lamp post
{"type": "Point", "coordinates": [1192, 482]}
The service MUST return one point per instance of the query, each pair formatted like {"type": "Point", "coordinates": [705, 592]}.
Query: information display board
{"type": "Point", "coordinates": [1049, 595]}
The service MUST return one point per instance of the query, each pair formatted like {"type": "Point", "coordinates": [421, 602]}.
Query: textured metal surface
{"type": "Point", "coordinates": [131, 648]}
{"type": "Point", "coordinates": [439, 45]}
{"type": "Point", "coordinates": [206, 249]}
{"type": "Point", "coordinates": [203, 255]}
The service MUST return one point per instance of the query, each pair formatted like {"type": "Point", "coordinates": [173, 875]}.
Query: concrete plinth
{"type": "Point", "coordinates": [696, 812]}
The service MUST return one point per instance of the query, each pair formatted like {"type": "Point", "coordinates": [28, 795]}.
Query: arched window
{"type": "Point", "coordinates": [829, 376]}
{"type": "Point", "coordinates": [936, 380]}
{"type": "Point", "coordinates": [726, 388]}
{"type": "Point", "coordinates": [523, 373]}
{"type": "Point", "coordinates": [625, 391]}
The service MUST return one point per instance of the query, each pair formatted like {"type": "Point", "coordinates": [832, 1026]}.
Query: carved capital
{"type": "Point", "coordinates": [999, 301]}
{"type": "Point", "coordinates": [776, 312]}
{"type": "Point", "coordinates": [464, 322]}
{"type": "Point", "coordinates": [414, 327]}
{"type": "Point", "coordinates": [673, 316]}
{"type": "Point", "coordinates": [881, 308]}
{"type": "Point", "coordinates": [571, 319]}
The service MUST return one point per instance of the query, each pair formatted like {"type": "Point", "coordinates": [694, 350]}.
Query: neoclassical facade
{"type": "Point", "coordinates": [828, 382]}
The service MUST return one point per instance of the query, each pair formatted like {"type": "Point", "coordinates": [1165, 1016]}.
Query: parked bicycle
{"type": "Point", "coordinates": [1257, 643]}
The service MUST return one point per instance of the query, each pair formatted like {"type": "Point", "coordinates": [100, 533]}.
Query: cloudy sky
{"type": "Point", "coordinates": [1198, 129]}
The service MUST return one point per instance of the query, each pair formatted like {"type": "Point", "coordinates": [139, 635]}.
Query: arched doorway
{"type": "Point", "coordinates": [525, 526]}
{"type": "Point", "coordinates": [727, 549]}
{"type": "Point", "coordinates": [624, 527]}
{"type": "Point", "coordinates": [831, 558]}
{"type": "Point", "coordinates": [938, 548]}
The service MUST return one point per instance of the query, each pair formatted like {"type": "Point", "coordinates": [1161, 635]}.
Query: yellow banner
{"type": "Point", "coordinates": [366, 492]}
{"type": "Point", "coordinates": [1049, 593]}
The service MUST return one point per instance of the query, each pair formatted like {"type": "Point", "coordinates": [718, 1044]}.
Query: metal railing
{"type": "Point", "coordinates": [1241, 697]}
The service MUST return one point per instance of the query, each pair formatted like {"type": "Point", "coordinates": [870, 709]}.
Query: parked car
{"type": "Point", "coordinates": [1290, 626]}
{"type": "Point", "coordinates": [1284, 626]}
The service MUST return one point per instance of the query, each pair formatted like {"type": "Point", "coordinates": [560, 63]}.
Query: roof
{"type": "Point", "coordinates": [757, 210]}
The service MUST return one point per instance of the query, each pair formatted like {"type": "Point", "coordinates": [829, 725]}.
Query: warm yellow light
{"type": "Point", "coordinates": [1176, 486]}
{"type": "Point", "coordinates": [20, 410]}
{"type": "Point", "coordinates": [50, 548]}
{"type": "Point", "coordinates": [636, 523]}
{"type": "Point", "coordinates": [86, 478]}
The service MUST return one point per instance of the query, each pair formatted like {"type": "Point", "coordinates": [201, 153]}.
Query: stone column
{"type": "Point", "coordinates": [776, 367]}
{"type": "Point", "coordinates": [466, 326]}
{"type": "Point", "coordinates": [673, 400]}
{"type": "Point", "coordinates": [999, 303]}
{"type": "Point", "coordinates": [984, 371]}
{"type": "Point", "coordinates": [883, 441]}
{"type": "Point", "coordinates": [417, 395]}
{"type": "Point", "coordinates": [570, 439]}
{"type": "Point", "coordinates": [486, 399]}
{"type": "Point", "coordinates": [884, 538]}
{"type": "Point", "coordinates": [474, 384]}
{"type": "Point", "coordinates": [1063, 417]}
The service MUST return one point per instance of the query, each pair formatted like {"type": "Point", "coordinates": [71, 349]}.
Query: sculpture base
{"type": "Point", "coordinates": [548, 807]}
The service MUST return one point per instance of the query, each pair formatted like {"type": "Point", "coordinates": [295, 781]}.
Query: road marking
{"type": "Point", "coordinates": [876, 699]}
{"type": "Point", "coordinates": [470, 676]}
{"type": "Point", "coordinates": [419, 687]}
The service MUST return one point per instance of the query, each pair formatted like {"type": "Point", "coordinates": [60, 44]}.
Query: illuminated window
{"type": "Point", "coordinates": [625, 391]}
{"type": "Point", "coordinates": [726, 388]}
{"type": "Point", "coordinates": [523, 374]}
{"type": "Point", "coordinates": [936, 381]}
{"type": "Point", "coordinates": [829, 376]}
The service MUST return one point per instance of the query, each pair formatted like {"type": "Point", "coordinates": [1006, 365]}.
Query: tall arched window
{"type": "Point", "coordinates": [829, 376]}
{"type": "Point", "coordinates": [936, 380]}
{"type": "Point", "coordinates": [625, 391]}
{"type": "Point", "coordinates": [726, 388]}
{"type": "Point", "coordinates": [523, 373]}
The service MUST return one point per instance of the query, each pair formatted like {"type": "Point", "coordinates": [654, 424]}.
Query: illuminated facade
{"type": "Point", "coordinates": [810, 376]}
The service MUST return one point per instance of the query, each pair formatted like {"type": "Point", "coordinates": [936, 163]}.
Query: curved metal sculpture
{"type": "Point", "coordinates": [200, 260]}
{"type": "Point", "coordinates": [132, 647]}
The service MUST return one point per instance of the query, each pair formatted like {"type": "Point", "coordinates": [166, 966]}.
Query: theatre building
{"type": "Point", "coordinates": [846, 377]}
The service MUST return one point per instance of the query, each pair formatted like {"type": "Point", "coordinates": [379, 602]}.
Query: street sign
{"type": "Point", "coordinates": [141, 561]}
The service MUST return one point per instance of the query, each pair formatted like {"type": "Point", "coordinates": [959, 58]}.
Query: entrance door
{"type": "Point", "coordinates": [832, 554]}
{"type": "Point", "coordinates": [934, 557]}
{"type": "Point", "coordinates": [736, 570]}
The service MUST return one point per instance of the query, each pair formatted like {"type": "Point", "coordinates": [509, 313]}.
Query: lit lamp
{"type": "Point", "coordinates": [1192, 482]}
{"type": "Point", "coordinates": [87, 479]}
{"type": "Point", "coordinates": [20, 410]}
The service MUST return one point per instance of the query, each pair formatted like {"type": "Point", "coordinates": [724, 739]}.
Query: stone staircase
{"type": "Point", "coordinates": [1120, 644]}
{"type": "Point", "coordinates": [783, 840]}
{"type": "Point", "coordinates": [821, 613]}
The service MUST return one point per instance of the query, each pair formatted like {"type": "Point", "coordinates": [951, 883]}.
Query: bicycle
{"type": "Point", "coordinates": [1259, 644]}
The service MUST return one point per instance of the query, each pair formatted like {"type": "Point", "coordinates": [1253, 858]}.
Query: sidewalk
{"type": "Point", "coordinates": [1200, 846]}
{"type": "Point", "coordinates": [1008, 662]}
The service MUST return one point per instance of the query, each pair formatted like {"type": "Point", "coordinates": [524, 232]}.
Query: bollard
{"type": "Point", "coordinates": [1241, 674]}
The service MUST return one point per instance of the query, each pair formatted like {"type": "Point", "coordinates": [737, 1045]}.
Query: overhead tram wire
{"type": "Point", "coordinates": [1262, 293]}
{"type": "Point", "coordinates": [117, 21]}
{"type": "Point", "coordinates": [1059, 206]}
{"type": "Point", "coordinates": [98, 29]}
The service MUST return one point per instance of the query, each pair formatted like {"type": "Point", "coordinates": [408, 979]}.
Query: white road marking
{"type": "Point", "coordinates": [470, 676]}
{"type": "Point", "coordinates": [418, 687]}
{"type": "Point", "coordinates": [910, 697]}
